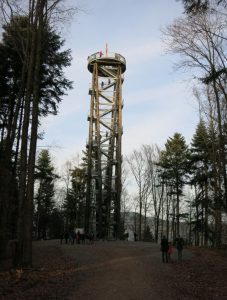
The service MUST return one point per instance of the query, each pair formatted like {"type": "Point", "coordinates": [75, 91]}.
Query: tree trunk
{"type": "Point", "coordinates": [24, 258]}
{"type": "Point", "coordinates": [221, 143]}
{"type": "Point", "coordinates": [140, 217]}
{"type": "Point", "coordinates": [206, 214]}
{"type": "Point", "coordinates": [178, 209]}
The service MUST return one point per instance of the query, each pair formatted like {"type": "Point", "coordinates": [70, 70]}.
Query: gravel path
{"type": "Point", "coordinates": [116, 270]}
{"type": "Point", "coordinates": [121, 270]}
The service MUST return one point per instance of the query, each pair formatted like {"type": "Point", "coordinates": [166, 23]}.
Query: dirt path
{"type": "Point", "coordinates": [116, 271]}
{"type": "Point", "coordinates": [121, 270]}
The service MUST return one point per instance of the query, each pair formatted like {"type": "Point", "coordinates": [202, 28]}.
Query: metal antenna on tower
{"type": "Point", "coordinates": [104, 156]}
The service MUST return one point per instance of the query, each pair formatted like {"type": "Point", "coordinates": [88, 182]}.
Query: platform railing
{"type": "Point", "coordinates": [100, 55]}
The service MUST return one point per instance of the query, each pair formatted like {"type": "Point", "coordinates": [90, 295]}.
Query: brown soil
{"type": "Point", "coordinates": [116, 270]}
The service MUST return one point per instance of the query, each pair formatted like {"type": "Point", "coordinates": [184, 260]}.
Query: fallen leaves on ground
{"type": "Point", "coordinates": [203, 276]}
{"type": "Point", "coordinates": [49, 279]}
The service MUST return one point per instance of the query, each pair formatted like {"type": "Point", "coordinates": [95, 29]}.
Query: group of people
{"type": "Point", "coordinates": [79, 238]}
{"type": "Point", "coordinates": [167, 248]}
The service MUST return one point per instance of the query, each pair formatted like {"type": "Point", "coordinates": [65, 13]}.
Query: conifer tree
{"type": "Point", "coordinates": [174, 161]}
{"type": "Point", "coordinates": [200, 161]}
{"type": "Point", "coordinates": [75, 201]}
{"type": "Point", "coordinates": [44, 199]}
{"type": "Point", "coordinates": [33, 85]}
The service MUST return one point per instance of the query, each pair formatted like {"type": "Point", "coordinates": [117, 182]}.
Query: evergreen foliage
{"type": "Point", "coordinates": [32, 83]}
{"type": "Point", "coordinates": [74, 205]}
{"type": "Point", "coordinates": [175, 161]}
{"type": "Point", "coordinates": [193, 7]}
{"type": "Point", "coordinates": [44, 199]}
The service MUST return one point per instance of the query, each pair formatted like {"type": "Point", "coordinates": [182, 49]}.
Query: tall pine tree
{"type": "Point", "coordinates": [174, 161]}
{"type": "Point", "coordinates": [44, 199]}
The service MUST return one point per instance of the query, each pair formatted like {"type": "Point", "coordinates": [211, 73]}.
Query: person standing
{"type": "Point", "coordinates": [73, 235]}
{"type": "Point", "coordinates": [91, 237]}
{"type": "Point", "coordinates": [78, 236]}
{"type": "Point", "coordinates": [61, 237]}
{"type": "Point", "coordinates": [179, 245]}
{"type": "Point", "coordinates": [66, 236]}
{"type": "Point", "coordinates": [170, 251]}
{"type": "Point", "coordinates": [164, 249]}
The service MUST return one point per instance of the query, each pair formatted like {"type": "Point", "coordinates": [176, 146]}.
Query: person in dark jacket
{"type": "Point", "coordinates": [164, 249]}
{"type": "Point", "coordinates": [66, 236]}
{"type": "Point", "coordinates": [179, 245]}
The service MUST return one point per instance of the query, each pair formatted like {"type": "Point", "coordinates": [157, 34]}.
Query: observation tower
{"type": "Point", "coordinates": [104, 158]}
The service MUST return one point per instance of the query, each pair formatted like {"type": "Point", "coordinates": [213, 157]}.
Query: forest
{"type": "Point", "coordinates": [176, 184]}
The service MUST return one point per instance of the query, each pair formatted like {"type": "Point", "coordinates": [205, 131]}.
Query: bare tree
{"type": "Point", "coordinates": [125, 198]}
{"type": "Point", "coordinates": [200, 42]}
{"type": "Point", "coordinates": [139, 169]}
{"type": "Point", "coordinates": [152, 154]}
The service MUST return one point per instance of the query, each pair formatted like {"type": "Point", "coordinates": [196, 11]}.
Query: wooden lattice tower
{"type": "Point", "coordinates": [104, 145]}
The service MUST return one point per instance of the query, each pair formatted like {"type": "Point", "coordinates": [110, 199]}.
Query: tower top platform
{"type": "Point", "coordinates": [110, 60]}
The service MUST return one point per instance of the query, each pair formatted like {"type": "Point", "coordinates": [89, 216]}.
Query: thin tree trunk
{"type": "Point", "coordinates": [140, 218]}
{"type": "Point", "coordinates": [23, 258]}
{"type": "Point", "coordinates": [221, 143]}
{"type": "Point", "coordinates": [33, 142]}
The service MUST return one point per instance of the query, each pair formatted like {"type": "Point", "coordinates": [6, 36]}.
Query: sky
{"type": "Point", "coordinates": [158, 100]}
